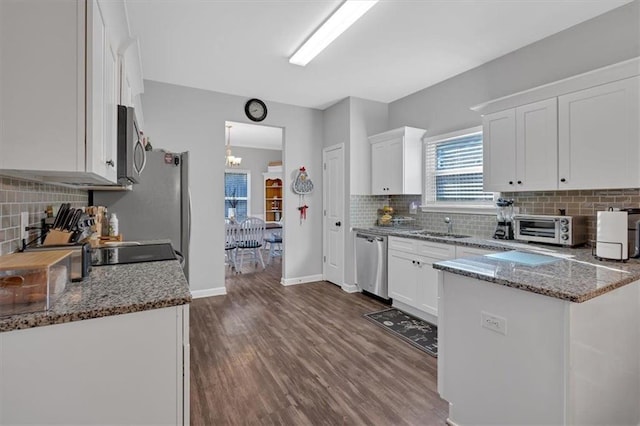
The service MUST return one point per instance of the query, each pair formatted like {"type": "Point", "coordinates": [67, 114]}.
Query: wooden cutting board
{"type": "Point", "coordinates": [32, 260]}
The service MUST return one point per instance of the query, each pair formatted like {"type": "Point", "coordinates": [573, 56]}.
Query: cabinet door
{"type": "Point", "coordinates": [427, 284]}
{"type": "Point", "coordinates": [499, 151]}
{"type": "Point", "coordinates": [402, 278]}
{"type": "Point", "coordinates": [379, 168]}
{"type": "Point", "coordinates": [394, 165]}
{"type": "Point", "coordinates": [598, 137]}
{"type": "Point", "coordinates": [42, 85]}
{"type": "Point", "coordinates": [121, 369]}
{"type": "Point", "coordinates": [101, 97]}
{"type": "Point", "coordinates": [537, 146]}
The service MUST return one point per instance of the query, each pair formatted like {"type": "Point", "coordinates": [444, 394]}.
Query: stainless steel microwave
{"type": "Point", "coordinates": [558, 230]}
{"type": "Point", "coordinates": [131, 154]}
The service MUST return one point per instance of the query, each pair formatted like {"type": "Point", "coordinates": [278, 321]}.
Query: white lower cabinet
{"type": "Point", "coordinates": [413, 283]}
{"type": "Point", "coordinates": [122, 369]}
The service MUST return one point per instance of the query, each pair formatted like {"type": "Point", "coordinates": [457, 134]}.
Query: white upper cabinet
{"type": "Point", "coordinates": [396, 162]}
{"type": "Point", "coordinates": [520, 148]}
{"type": "Point", "coordinates": [499, 151]}
{"type": "Point", "coordinates": [59, 79]}
{"type": "Point", "coordinates": [599, 136]}
{"type": "Point", "coordinates": [587, 136]}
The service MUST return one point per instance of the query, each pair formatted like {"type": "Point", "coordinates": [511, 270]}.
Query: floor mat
{"type": "Point", "coordinates": [415, 331]}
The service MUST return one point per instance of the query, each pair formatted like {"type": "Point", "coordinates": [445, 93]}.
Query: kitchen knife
{"type": "Point", "coordinates": [68, 218]}
{"type": "Point", "coordinates": [63, 218]}
{"type": "Point", "coordinates": [61, 212]}
{"type": "Point", "coordinates": [75, 219]}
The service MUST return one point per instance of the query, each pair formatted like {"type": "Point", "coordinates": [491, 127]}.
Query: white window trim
{"type": "Point", "coordinates": [487, 208]}
{"type": "Point", "coordinates": [248, 197]}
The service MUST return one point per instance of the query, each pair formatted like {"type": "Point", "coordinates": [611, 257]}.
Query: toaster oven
{"type": "Point", "coordinates": [558, 230]}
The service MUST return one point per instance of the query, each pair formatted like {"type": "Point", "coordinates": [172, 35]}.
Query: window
{"type": "Point", "coordinates": [236, 191]}
{"type": "Point", "coordinates": [453, 170]}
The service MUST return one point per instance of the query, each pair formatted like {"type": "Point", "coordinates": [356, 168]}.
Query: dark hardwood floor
{"type": "Point", "coordinates": [303, 355]}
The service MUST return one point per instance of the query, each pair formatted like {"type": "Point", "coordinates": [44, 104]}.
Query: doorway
{"type": "Point", "coordinates": [254, 195]}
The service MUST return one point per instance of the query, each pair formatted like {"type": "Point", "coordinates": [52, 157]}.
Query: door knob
{"type": "Point", "coordinates": [338, 223]}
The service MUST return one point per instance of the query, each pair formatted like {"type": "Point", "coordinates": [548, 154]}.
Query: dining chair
{"type": "Point", "coordinates": [249, 241]}
{"type": "Point", "coordinates": [274, 243]}
{"type": "Point", "coordinates": [230, 244]}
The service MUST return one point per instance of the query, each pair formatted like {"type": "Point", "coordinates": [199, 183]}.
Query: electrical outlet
{"type": "Point", "coordinates": [493, 322]}
{"type": "Point", "coordinates": [24, 223]}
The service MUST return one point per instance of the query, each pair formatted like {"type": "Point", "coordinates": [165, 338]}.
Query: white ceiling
{"type": "Point", "coordinates": [397, 48]}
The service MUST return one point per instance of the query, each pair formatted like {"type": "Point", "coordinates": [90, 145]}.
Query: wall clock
{"type": "Point", "coordinates": [255, 109]}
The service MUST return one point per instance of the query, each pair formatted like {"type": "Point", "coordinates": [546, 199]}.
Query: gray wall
{"type": "Point", "coordinates": [444, 107]}
{"type": "Point", "coordinates": [256, 161]}
{"type": "Point", "coordinates": [184, 119]}
{"type": "Point", "coordinates": [350, 122]}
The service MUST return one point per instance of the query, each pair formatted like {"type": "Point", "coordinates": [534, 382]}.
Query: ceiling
{"type": "Point", "coordinates": [397, 48]}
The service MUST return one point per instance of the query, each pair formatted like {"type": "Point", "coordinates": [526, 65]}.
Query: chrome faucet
{"type": "Point", "coordinates": [447, 220]}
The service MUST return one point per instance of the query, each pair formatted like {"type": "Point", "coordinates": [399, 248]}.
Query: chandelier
{"type": "Point", "coordinates": [231, 161]}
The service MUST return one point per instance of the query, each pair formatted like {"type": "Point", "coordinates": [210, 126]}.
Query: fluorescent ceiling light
{"type": "Point", "coordinates": [348, 13]}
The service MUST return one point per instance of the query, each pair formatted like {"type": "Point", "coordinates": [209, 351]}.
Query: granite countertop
{"type": "Point", "coordinates": [111, 290]}
{"type": "Point", "coordinates": [574, 274]}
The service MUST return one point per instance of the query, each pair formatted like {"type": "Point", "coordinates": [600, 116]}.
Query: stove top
{"type": "Point", "coordinates": [132, 254]}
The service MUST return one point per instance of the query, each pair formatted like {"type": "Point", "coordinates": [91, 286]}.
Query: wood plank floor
{"type": "Point", "coordinates": [303, 355]}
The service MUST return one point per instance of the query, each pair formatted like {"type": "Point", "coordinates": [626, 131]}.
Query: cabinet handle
{"type": "Point", "coordinates": [563, 180]}
{"type": "Point", "coordinates": [519, 182]}
{"type": "Point", "coordinates": [338, 223]}
{"type": "Point", "coordinates": [111, 163]}
{"type": "Point", "coordinates": [510, 182]}
{"type": "Point", "coordinates": [413, 261]}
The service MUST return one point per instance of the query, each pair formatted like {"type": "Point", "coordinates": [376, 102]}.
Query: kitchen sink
{"type": "Point", "coordinates": [428, 233]}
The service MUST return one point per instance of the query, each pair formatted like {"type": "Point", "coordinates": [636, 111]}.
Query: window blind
{"type": "Point", "coordinates": [454, 170]}
{"type": "Point", "coordinates": [236, 185]}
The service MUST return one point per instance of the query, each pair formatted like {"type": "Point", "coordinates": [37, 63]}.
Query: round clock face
{"type": "Point", "coordinates": [255, 109]}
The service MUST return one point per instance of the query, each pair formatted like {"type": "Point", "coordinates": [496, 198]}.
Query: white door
{"type": "Point", "coordinates": [333, 200]}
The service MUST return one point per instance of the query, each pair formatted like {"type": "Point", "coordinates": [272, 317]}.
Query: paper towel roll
{"type": "Point", "coordinates": [612, 238]}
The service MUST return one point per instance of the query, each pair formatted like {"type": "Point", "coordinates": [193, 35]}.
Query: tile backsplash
{"type": "Point", "coordinates": [364, 213]}
{"type": "Point", "coordinates": [576, 203]}
{"type": "Point", "coordinates": [364, 209]}
{"type": "Point", "coordinates": [18, 196]}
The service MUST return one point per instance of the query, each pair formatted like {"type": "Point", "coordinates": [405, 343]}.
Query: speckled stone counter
{"type": "Point", "coordinates": [111, 290]}
{"type": "Point", "coordinates": [576, 279]}
{"type": "Point", "coordinates": [577, 276]}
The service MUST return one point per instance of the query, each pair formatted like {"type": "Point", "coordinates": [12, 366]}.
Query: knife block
{"type": "Point", "coordinates": [57, 237]}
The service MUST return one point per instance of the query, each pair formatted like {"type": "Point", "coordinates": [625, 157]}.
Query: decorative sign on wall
{"type": "Point", "coordinates": [302, 186]}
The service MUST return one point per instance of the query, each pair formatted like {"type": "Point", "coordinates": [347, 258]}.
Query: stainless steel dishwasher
{"type": "Point", "coordinates": [371, 264]}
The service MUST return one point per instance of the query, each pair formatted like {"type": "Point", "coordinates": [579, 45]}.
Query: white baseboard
{"type": "Point", "coordinates": [217, 291]}
{"type": "Point", "coordinates": [302, 280]}
{"type": "Point", "coordinates": [350, 288]}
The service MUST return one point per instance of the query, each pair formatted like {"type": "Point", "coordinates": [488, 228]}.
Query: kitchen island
{"type": "Point", "coordinates": [112, 349]}
{"type": "Point", "coordinates": [542, 339]}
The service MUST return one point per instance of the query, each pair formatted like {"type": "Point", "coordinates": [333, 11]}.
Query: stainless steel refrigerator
{"type": "Point", "coordinates": [158, 207]}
